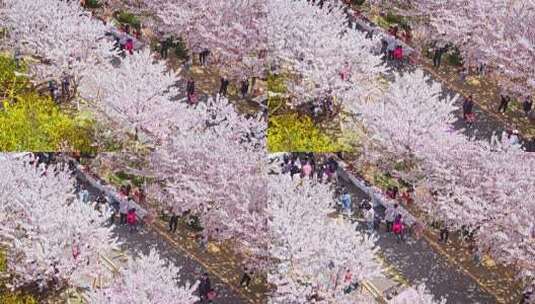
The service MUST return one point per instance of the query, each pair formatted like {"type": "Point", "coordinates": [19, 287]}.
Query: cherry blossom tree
{"type": "Point", "coordinates": [234, 31]}
{"type": "Point", "coordinates": [416, 295]}
{"type": "Point", "coordinates": [53, 239]}
{"type": "Point", "coordinates": [424, 114]}
{"type": "Point", "coordinates": [477, 184]}
{"type": "Point", "coordinates": [137, 93]}
{"type": "Point", "coordinates": [498, 33]}
{"type": "Point", "coordinates": [322, 57]}
{"type": "Point", "coordinates": [215, 168]}
{"type": "Point", "coordinates": [61, 33]}
{"type": "Point", "coordinates": [312, 251]}
{"type": "Point", "coordinates": [146, 279]}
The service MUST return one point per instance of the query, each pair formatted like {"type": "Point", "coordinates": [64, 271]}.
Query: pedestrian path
{"type": "Point", "coordinates": [487, 122]}
{"type": "Point", "coordinates": [417, 262]}
{"type": "Point", "coordinates": [447, 269]}
{"type": "Point", "coordinates": [153, 237]}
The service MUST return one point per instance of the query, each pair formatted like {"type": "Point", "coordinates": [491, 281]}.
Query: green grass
{"type": "Point", "coordinates": [7, 296]}
{"type": "Point", "coordinates": [36, 123]}
{"type": "Point", "coordinates": [12, 82]}
{"type": "Point", "coordinates": [33, 122]}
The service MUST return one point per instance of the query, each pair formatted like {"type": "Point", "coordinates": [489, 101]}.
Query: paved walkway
{"type": "Point", "coordinates": [148, 237]}
{"type": "Point", "coordinates": [487, 121]}
{"type": "Point", "coordinates": [418, 262]}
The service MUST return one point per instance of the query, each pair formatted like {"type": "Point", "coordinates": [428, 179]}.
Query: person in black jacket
{"type": "Point", "coordinates": [246, 279]}
{"type": "Point", "coordinates": [204, 287]}
{"type": "Point", "coordinates": [528, 103]}
{"type": "Point", "coordinates": [468, 106]}
{"type": "Point", "coordinates": [173, 222]}
{"type": "Point", "coordinates": [504, 102]}
{"type": "Point", "coordinates": [437, 56]}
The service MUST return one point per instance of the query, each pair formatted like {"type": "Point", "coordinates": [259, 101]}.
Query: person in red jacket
{"type": "Point", "coordinates": [398, 228]}
{"type": "Point", "coordinates": [129, 46]}
{"type": "Point", "coordinates": [398, 53]}
{"type": "Point", "coordinates": [131, 219]}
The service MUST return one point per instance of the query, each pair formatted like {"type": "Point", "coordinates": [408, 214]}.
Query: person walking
{"type": "Point", "coordinates": [399, 227]}
{"type": "Point", "coordinates": [131, 219]}
{"type": "Point", "coordinates": [205, 287]}
{"type": "Point", "coordinates": [165, 46]}
{"type": "Point", "coordinates": [244, 87]}
{"type": "Point", "coordinates": [504, 102]}
{"type": "Point", "coordinates": [204, 56]}
{"type": "Point", "coordinates": [53, 89]}
{"type": "Point", "coordinates": [444, 233]}
{"type": "Point", "coordinates": [345, 199]}
{"type": "Point", "coordinates": [190, 86]}
{"type": "Point", "coordinates": [527, 105]}
{"type": "Point", "coordinates": [390, 215]}
{"type": "Point", "coordinates": [123, 211]}
{"type": "Point", "coordinates": [173, 222]}
{"type": "Point", "coordinates": [437, 56]}
{"type": "Point", "coordinates": [224, 86]}
{"type": "Point", "coordinates": [112, 208]}
{"type": "Point", "coordinates": [468, 106]}
{"type": "Point", "coordinates": [369, 217]}
{"type": "Point", "coordinates": [65, 86]}
{"type": "Point", "coordinates": [245, 279]}
{"type": "Point", "coordinates": [17, 56]}
{"type": "Point", "coordinates": [190, 89]}
{"type": "Point", "coordinates": [129, 46]}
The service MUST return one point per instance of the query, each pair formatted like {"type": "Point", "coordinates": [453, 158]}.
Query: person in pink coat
{"type": "Point", "coordinates": [306, 170]}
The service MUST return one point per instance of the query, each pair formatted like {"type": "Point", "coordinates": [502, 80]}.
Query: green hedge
{"type": "Point", "coordinates": [181, 50]}
{"type": "Point", "coordinates": [384, 181]}
{"type": "Point", "coordinates": [93, 4]}
{"type": "Point", "coordinates": [124, 178]}
{"type": "Point", "coordinates": [392, 18]}
{"type": "Point", "coordinates": [125, 17]}
{"type": "Point", "coordinates": [454, 58]}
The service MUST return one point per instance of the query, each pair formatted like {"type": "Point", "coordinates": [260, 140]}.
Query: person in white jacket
{"type": "Point", "coordinates": [369, 216]}
{"type": "Point", "coordinates": [123, 210]}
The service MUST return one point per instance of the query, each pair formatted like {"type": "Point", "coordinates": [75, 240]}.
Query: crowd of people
{"type": "Point", "coordinates": [310, 166]}
{"type": "Point", "coordinates": [323, 168]}
{"type": "Point", "coordinates": [61, 91]}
